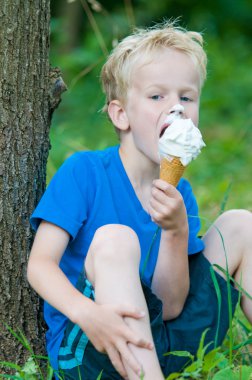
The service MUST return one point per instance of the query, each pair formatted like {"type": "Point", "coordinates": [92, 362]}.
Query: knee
{"type": "Point", "coordinates": [234, 226]}
{"type": "Point", "coordinates": [236, 222]}
{"type": "Point", "coordinates": [116, 242]}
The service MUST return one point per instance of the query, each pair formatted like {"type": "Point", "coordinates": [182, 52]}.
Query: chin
{"type": "Point", "coordinates": [155, 160]}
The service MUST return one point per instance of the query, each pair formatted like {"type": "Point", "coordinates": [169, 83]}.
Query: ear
{"type": "Point", "coordinates": [118, 115]}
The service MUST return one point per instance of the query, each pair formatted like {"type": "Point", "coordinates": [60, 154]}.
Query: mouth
{"type": "Point", "coordinates": [165, 126]}
{"type": "Point", "coordinates": [168, 121]}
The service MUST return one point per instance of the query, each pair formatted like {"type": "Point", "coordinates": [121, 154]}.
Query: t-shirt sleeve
{"type": "Point", "coordinates": [195, 243]}
{"type": "Point", "coordinates": [65, 201]}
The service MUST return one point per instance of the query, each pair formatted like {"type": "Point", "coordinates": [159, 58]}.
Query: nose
{"type": "Point", "coordinates": [177, 110]}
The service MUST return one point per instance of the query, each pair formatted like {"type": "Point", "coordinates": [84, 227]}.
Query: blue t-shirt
{"type": "Point", "coordinates": [92, 189]}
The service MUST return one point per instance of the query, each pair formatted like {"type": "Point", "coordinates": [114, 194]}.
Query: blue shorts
{"type": "Point", "coordinates": [78, 359]}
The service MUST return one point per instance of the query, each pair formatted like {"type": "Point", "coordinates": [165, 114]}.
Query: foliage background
{"type": "Point", "coordinates": [221, 177]}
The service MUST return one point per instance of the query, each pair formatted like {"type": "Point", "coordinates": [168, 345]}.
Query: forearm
{"type": "Point", "coordinates": [171, 277]}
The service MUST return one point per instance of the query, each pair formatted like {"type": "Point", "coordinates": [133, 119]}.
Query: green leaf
{"type": "Point", "coordinates": [202, 349]}
{"type": "Point", "coordinates": [224, 374]}
{"type": "Point", "coordinates": [174, 375]}
{"type": "Point", "coordinates": [180, 353]}
{"type": "Point", "coordinates": [239, 373]}
{"type": "Point", "coordinates": [244, 372]}
{"type": "Point", "coordinates": [30, 367]}
{"type": "Point", "coordinates": [100, 376]}
{"type": "Point", "coordinates": [30, 377]}
{"type": "Point", "coordinates": [224, 363]}
{"type": "Point", "coordinates": [212, 359]}
{"type": "Point", "coordinates": [193, 369]}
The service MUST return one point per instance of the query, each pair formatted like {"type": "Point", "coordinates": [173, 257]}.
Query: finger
{"type": "Point", "coordinates": [131, 337]}
{"type": "Point", "coordinates": [129, 359]}
{"type": "Point", "coordinates": [160, 212]}
{"type": "Point", "coordinates": [153, 213]}
{"type": "Point", "coordinates": [164, 186]}
{"type": "Point", "coordinates": [129, 311]}
{"type": "Point", "coordinates": [155, 216]}
{"type": "Point", "coordinates": [161, 208]}
{"type": "Point", "coordinates": [159, 195]}
{"type": "Point", "coordinates": [165, 203]}
{"type": "Point", "coordinates": [116, 361]}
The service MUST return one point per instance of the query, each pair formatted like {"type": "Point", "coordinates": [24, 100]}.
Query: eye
{"type": "Point", "coordinates": [156, 97]}
{"type": "Point", "coordinates": [185, 99]}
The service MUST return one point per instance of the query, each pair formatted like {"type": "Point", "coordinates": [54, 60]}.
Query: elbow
{"type": "Point", "coordinates": [175, 307]}
{"type": "Point", "coordinates": [31, 272]}
{"type": "Point", "coordinates": [172, 312]}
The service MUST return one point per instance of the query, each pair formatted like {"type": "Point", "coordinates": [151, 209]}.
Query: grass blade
{"type": "Point", "coordinates": [10, 365]}
{"type": "Point", "coordinates": [201, 350]}
{"type": "Point", "coordinates": [243, 344]}
{"type": "Point", "coordinates": [19, 338]}
{"type": "Point", "coordinates": [225, 198]}
{"type": "Point", "coordinates": [218, 294]}
{"type": "Point", "coordinates": [229, 296]}
{"type": "Point", "coordinates": [100, 376]}
{"type": "Point", "coordinates": [149, 252]}
{"type": "Point", "coordinates": [240, 288]}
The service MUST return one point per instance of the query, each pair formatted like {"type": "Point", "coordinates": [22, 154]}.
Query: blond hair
{"type": "Point", "coordinates": [116, 72]}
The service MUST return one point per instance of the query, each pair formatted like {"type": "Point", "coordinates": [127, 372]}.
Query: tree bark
{"type": "Point", "coordinates": [29, 92]}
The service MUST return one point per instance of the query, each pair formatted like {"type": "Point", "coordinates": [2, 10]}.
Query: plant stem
{"type": "Point", "coordinates": [130, 12]}
{"type": "Point", "coordinates": [95, 27]}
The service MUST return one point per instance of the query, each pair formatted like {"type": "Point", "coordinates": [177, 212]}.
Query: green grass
{"type": "Point", "coordinates": [230, 361]}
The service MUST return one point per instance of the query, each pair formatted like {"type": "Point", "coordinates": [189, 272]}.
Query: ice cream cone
{"type": "Point", "coordinates": [171, 171]}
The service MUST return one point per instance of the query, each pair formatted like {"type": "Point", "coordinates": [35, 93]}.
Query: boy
{"type": "Point", "coordinates": [110, 256]}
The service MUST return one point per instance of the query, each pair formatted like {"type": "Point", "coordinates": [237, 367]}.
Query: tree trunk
{"type": "Point", "coordinates": [29, 91]}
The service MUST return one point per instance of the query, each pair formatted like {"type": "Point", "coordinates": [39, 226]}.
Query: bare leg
{"type": "Point", "coordinates": [112, 265]}
{"type": "Point", "coordinates": [235, 227]}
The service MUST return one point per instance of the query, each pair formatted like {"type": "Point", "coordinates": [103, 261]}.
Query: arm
{"type": "Point", "coordinates": [43, 270]}
{"type": "Point", "coordinates": [171, 276]}
{"type": "Point", "coordinates": [103, 324]}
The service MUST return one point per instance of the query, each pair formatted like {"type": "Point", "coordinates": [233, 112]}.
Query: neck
{"type": "Point", "coordinates": [140, 169]}
{"type": "Point", "coordinates": [141, 172]}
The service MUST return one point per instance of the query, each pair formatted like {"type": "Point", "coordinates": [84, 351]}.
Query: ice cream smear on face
{"type": "Point", "coordinates": [180, 138]}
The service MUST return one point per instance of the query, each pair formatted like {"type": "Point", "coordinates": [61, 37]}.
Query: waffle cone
{"type": "Point", "coordinates": [171, 171]}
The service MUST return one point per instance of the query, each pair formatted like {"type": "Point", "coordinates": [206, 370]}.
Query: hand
{"type": "Point", "coordinates": [107, 330]}
{"type": "Point", "coordinates": [167, 207]}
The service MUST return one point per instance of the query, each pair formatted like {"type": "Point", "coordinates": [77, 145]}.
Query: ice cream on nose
{"type": "Point", "coordinates": [177, 110]}
{"type": "Point", "coordinates": [179, 144]}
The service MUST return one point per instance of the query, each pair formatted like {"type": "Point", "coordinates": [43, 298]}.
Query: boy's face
{"type": "Point", "coordinates": [170, 78]}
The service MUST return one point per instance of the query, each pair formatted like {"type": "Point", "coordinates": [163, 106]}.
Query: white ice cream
{"type": "Point", "coordinates": [181, 139]}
